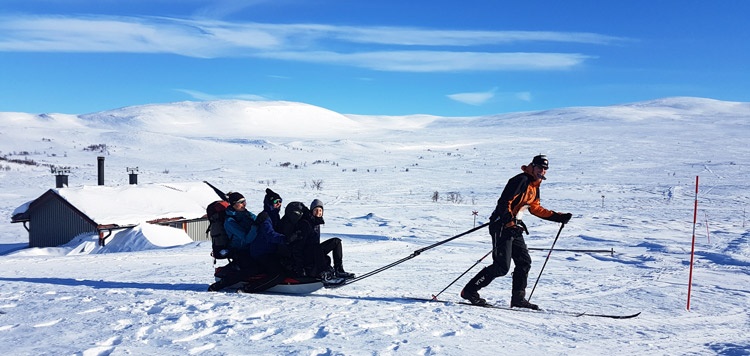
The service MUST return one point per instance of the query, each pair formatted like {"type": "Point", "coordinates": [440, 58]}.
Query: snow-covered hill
{"type": "Point", "coordinates": [228, 119]}
{"type": "Point", "coordinates": [626, 172]}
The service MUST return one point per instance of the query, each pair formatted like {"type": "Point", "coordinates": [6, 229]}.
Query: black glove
{"type": "Point", "coordinates": [561, 218]}
{"type": "Point", "coordinates": [514, 231]}
{"type": "Point", "coordinates": [495, 227]}
{"type": "Point", "coordinates": [293, 237]}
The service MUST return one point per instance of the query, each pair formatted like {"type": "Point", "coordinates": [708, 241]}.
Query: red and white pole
{"type": "Point", "coordinates": [692, 250]}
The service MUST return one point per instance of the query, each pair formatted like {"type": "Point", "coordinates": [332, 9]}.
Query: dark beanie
{"type": "Point", "coordinates": [540, 161]}
{"type": "Point", "coordinates": [271, 196]}
{"type": "Point", "coordinates": [234, 197]}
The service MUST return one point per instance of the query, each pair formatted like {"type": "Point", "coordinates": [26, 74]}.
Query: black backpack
{"type": "Point", "coordinates": [216, 214]}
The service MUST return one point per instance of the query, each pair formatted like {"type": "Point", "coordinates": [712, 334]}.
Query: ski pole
{"type": "Point", "coordinates": [545, 261]}
{"type": "Point", "coordinates": [435, 296]}
{"type": "Point", "coordinates": [217, 191]}
{"type": "Point", "coordinates": [414, 254]}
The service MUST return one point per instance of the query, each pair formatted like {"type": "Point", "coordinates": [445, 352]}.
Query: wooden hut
{"type": "Point", "coordinates": [61, 214]}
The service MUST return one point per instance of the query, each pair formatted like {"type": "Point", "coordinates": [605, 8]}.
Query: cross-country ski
{"type": "Point", "coordinates": [525, 310]}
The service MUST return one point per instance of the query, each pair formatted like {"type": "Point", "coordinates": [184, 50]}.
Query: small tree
{"type": "Point", "coordinates": [435, 196]}
{"type": "Point", "coordinates": [317, 184]}
{"type": "Point", "coordinates": [455, 197]}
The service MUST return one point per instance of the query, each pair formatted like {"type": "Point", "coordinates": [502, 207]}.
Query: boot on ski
{"type": "Point", "coordinates": [519, 301]}
{"type": "Point", "coordinates": [473, 297]}
{"type": "Point", "coordinates": [340, 273]}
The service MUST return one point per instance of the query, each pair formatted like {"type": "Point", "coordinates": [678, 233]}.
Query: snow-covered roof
{"type": "Point", "coordinates": [132, 204]}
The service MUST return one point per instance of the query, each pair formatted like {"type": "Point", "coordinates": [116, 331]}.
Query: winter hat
{"type": "Point", "coordinates": [235, 197]}
{"type": "Point", "coordinates": [540, 161]}
{"type": "Point", "coordinates": [271, 196]}
{"type": "Point", "coordinates": [315, 204]}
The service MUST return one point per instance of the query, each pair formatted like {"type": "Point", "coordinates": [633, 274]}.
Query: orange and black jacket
{"type": "Point", "coordinates": [521, 192]}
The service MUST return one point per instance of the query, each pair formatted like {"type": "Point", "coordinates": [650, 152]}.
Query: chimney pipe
{"type": "Point", "coordinates": [61, 176]}
{"type": "Point", "coordinates": [100, 166]}
{"type": "Point", "coordinates": [133, 174]}
{"type": "Point", "coordinates": [61, 180]}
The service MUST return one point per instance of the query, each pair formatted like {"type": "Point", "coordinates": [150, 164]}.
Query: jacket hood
{"type": "Point", "coordinates": [316, 203]}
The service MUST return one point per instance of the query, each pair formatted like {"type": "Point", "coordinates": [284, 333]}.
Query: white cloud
{"type": "Point", "coordinates": [524, 96]}
{"type": "Point", "coordinates": [205, 96]}
{"type": "Point", "coordinates": [296, 42]}
{"type": "Point", "coordinates": [438, 61]}
{"type": "Point", "coordinates": [427, 37]}
{"type": "Point", "coordinates": [129, 35]}
{"type": "Point", "coordinates": [480, 98]}
{"type": "Point", "coordinates": [476, 98]}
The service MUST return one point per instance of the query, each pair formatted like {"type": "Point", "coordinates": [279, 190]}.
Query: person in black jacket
{"type": "Point", "coordinates": [332, 245]}
{"type": "Point", "coordinates": [507, 229]}
{"type": "Point", "coordinates": [297, 254]}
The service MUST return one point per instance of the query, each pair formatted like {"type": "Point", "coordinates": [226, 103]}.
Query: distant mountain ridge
{"type": "Point", "coordinates": [239, 119]}
{"type": "Point", "coordinates": [673, 108]}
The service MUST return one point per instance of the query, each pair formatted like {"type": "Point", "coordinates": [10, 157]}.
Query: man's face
{"type": "Point", "coordinates": [317, 212]}
{"type": "Point", "coordinates": [539, 172]}
{"type": "Point", "coordinates": [240, 205]}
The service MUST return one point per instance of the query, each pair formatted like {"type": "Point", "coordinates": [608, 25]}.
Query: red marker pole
{"type": "Point", "coordinates": [692, 251]}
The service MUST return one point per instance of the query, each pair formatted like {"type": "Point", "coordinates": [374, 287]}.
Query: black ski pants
{"type": "Point", "coordinates": [333, 245]}
{"type": "Point", "coordinates": [507, 245]}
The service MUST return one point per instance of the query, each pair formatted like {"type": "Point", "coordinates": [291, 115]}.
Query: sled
{"type": "Point", "coordinates": [290, 285]}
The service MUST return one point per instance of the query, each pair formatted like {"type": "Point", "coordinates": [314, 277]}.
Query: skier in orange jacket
{"type": "Point", "coordinates": [506, 228]}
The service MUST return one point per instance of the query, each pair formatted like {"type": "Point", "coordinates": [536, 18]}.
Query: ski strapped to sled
{"type": "Point", "coordinates": [524, 310]}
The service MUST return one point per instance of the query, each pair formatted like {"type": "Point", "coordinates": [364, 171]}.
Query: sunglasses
{"type": "Point", "coordinates": [276, 201]}
{"type": "Point", "coordinates": [240, 201]}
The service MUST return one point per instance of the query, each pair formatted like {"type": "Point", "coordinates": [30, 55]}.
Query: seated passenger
{"type": "Point", "coordinates": [332, 245]}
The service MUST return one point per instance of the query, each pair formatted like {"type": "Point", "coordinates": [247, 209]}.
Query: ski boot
{"type": "Point", "coordinates": [340, 273]}
{"type": "Point", "coordinates": [473, 297]}
{"type": "Point", "coordinates": [518, 300]}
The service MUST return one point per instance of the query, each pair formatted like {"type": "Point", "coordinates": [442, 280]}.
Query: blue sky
{"type": "Point", "coordinates": [385, 57]}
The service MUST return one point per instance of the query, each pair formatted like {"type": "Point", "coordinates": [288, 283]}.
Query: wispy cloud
{"type": "Point", "coordinates": [377, 48]}
{"type": "Point", "coordinates": [437, 61]}
{"type": "Point", "coordinates": [476, 98]}
{"type": "Point", "coordinates": [427, 37]}
{"type": "Point", "coordinates": [205, 96]}
{"type": "Point", "coordinates": [215, 9]}
{"type": "Point", "coordinates": [130, 35]}
{"type": "Point", "coordinates": [481, 98]}
{"type": "Point", "coordinates": [523, 96]}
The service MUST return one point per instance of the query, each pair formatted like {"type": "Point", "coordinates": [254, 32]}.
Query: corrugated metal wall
{"type": "Point", "coordinates": [54, 224]}
{"type": "Point", "coordinates": [196, 229]}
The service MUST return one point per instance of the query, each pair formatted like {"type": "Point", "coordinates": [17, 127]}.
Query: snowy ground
{"type": "Point", "coordinates": [627, 173]}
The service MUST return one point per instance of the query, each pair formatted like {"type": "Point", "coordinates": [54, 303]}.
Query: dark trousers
{"type": "Point", "coordinates": [507, 245]}
{"type": "Point", "coordinates": [333, 245]}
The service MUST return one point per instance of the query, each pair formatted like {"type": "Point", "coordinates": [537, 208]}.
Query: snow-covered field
{"type": "Point", "coordinates": [627, 173]}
